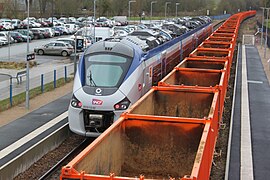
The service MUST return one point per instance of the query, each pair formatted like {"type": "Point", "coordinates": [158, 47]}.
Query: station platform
{"type": "Point", "coordinates": [248, 156]}
{"type": "Point", "coordinates": [25, 133]}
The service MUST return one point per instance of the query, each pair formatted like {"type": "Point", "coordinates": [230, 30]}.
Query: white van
{"type": "Point", "coordinates": [16, 23]}
{"type": "Point", "coordinates": [72, 27]}
{"type": "Point", "coordinates": [101, 33]}
{"type": "Point", "coordinates": [6, 23]}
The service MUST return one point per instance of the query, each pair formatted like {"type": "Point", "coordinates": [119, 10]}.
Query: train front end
{"type": "Point", "coordinates": [99, 97]}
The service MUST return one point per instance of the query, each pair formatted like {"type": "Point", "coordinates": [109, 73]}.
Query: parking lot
{"type": "Point", "coordinates": [17, 52]}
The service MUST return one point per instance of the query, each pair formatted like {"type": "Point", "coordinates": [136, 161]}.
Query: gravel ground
{"type": "Point", "coordinates": [50, 159]}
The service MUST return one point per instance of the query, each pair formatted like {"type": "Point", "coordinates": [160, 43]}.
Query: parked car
{"type": "Point", "coordinates": [3, 41]}
{"type": "Point", "coordinates": [35, 24]}
{"type": "Point", "coordinates": [44, 31]}
{"type": "Point", "coordinates": [4, 35]}
{"type": "Point", "coordinates": [37, 34]}
{"type": "Point", "coordinates": [24, 32]}
{"type": "Point", "coordinates": [16, 36]}
{"type": "Point", "coordinates": [67, 40]}
{"type": "Point", "coordinates": [56, 32]}
{"type": "Point", "coordinates": [104, 22]}
{"type": "Point", "coordinates": [6, 25]}
{"type": "Point", "coordinates": [55, 48]}
{"type": "Point", "coordinates": [49, 23]}
{"type": "Point", "coordinates": [16, 23]}
{"type": "Point", "coordinates": [63, 20]}
{"type": "Point", "coordinates": [64, 30]}
{"type": "Point", "coordinates": [58, 29]}
{"type": "Point", "coordinates": [50, 31]}
{"type": "Point", "coordinates": [177, 29]}
{"type": "Point", "coordinates": [72, 28]}
{"type": "Point", "coordinates": [24, 25]}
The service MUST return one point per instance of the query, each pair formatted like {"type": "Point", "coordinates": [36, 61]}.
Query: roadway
{"type": "Point", "coordinates": [45, 65]}
{"type": "Point", "coordinates": [18, 51]}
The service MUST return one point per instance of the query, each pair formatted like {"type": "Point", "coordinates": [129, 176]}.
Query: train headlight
{"type": "Point", "coordinates": [122, 105]}
{"type": "Point", "coordinates": [75, 102]}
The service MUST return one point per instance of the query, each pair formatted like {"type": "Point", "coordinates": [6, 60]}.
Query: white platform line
{"type": "Point", "coordinates": [255, 82]}
{"type": "Point", "coordinates": [32, 135]}
{"type": "Point", "coordinates": [246, 169]}
{"type": "Point", "coordinates": [232, 119]}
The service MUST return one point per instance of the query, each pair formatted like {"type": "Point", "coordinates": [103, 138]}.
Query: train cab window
{"type": "Point", "coordinates": [105, 70]}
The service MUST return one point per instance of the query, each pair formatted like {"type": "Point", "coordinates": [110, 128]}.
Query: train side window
{"type": "Point", "coordinates": [156, 76]}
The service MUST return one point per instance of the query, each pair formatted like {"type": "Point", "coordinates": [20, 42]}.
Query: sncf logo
{"type": "Point", "coordinates": [97, 102]}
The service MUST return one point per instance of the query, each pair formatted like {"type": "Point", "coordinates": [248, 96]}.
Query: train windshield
{"type": "Point", "coordinates": [106, 70]}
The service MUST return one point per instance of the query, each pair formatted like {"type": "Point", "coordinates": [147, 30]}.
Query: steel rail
{"type": "Point", "coordinates": [71, 154]}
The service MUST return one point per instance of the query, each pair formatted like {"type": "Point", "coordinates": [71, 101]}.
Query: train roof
{"type": "Point", "coordinates": [145, 40]}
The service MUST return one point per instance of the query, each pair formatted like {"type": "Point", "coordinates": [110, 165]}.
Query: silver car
{"type": "Point", "coordinates": [55, 48]}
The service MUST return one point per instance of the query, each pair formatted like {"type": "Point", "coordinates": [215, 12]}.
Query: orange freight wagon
{"type": "Point", "coordinates": [171, 131]}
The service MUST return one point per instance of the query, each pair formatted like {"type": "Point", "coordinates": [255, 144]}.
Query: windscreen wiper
{"type": "Point", "coordinates": [92, 82]}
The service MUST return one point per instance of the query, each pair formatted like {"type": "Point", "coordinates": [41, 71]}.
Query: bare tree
{"type": "Point", "coordinates": [42, 7]}
{"type": "Point", "coordinates": [30, 3]}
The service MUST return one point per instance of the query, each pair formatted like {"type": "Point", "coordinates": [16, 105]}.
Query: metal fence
{"type": "Point", "coordinates": [220, 17]}
{"type": "Point", "coordinates": [263, 30]}
{"type": "Point", "coordinates": [11, 88]}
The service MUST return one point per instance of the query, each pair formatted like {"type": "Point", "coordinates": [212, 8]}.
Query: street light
{"type": "Point", "coordinates": [27, 62]}
{"type": "Point", "coordinates": [52, 13]}
{"type": "Point", "coordinates": [166, 5]}
{"type": "Point", "coordinates": [94, 22]}
{"type": "Point", "coordinates": [262, 26]}
{"type": "Point", "coordinates": [152, 2]}
{"type": "Point", "coordinates": [266, 27]}
{"type": "Point", "coordinates": [176, 4]}
{"type": "Point", "coordinates": [129, 2]}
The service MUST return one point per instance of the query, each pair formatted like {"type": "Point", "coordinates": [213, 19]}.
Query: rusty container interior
{"type": "Point", "coordinates": [176, 103]}
{"type": "Point", "coordinates": [223, 34]}
{"type": "Point", "coordinates": [202, 64]}
{"type": "Point", "coordinates": [193, 78]}
{"type": "Point", "coordinates": [214, 44]}
{"type": "Point", "coordinates": [157, 150]}
{"type": "Point", "coordinates": [209, 52]}
{"type": "Point", "coordinates": [225, 30]}
{"type": "Point", "coordinates": [220, 39]}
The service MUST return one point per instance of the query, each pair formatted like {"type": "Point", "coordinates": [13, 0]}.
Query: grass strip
{"type": "Point", "coordinates": [16, 65]}
{"type": "Point", "coordinates": [20, 98]}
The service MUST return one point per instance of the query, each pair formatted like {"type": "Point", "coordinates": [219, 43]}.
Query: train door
{"type": "Point", "coordinates": [163, 64]}
{"type": "Point", "coordinates": [148, 75]}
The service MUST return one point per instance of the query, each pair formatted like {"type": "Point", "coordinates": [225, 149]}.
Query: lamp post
{"type": "Point", "coordinates": [266, 27]}
{"type": "Point", "coordinates": [176, 4]}
{"type": "Point", "coordinates": [27, 62]}
{"type": "Point", "coordinates": [166, 5]}
{"type": "Point", "coordinates": [129, 2]}
{"type": "Point", "coordinates": [262, 26]}
{"type": "Point", "coordinates": [94, 22]}
{"type": "Point", "coordinates": [52, 13]}
{"type": "Point", "coordinates": [152, 2]}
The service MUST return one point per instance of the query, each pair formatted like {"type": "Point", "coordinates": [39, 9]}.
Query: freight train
{"type": "Point", "coordinates": [171, 132]}
{"type": "Point", "coordinates": [114, 73]}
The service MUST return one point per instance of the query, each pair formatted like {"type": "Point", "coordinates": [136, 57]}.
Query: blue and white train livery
{"type": "Point", "coordinates": [113, 74]}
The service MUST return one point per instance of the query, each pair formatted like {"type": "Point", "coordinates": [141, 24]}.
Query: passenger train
{"type": "Point", "coordinates": [114, 73]}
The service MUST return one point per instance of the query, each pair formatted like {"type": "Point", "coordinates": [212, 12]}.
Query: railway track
{"type": "Point", "coordinates": [54, 172]}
